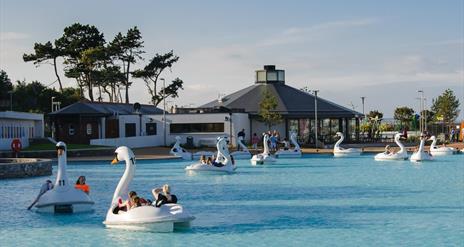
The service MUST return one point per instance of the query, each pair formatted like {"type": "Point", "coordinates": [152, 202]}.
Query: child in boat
{"type": "Point", "coordinates": [387, 149]}
{"type": "Point", "coordinates": [203, 159]}
{"type": "Point", "coordinates": [135, 202]}
{"type": "Point", "coordinates": [163, 196]}
{"type": "Point", "coordinates": [81, 185]}
{"type": "Point", "coordinates": [209, 161]}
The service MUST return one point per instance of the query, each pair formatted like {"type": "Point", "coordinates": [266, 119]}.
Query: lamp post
{"type": "Point", "coordinates": [421, 106]}
{"type": "Point", "coordinates": [164, 109]}
{"type": "Point", "coordinates": [315, 115]}
{"type": "Point", "coordinates": [362, 100]}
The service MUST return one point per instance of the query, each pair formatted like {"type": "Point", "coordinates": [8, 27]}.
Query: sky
{"type": "Point", "coordinates": [382, 50]}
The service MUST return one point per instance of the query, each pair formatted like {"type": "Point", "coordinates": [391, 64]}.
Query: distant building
{"type": "Point", "coordinates": [21, 125]}
{"type": "Point", "coordinates": [296, 107]}
{"type": "Point", "coordinates": [84, 121]}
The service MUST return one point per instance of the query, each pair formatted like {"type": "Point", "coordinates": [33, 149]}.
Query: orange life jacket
{"type": "Point", "coordinates": [83, 187]}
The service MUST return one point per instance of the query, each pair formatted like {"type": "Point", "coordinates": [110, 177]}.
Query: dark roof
{"type": "Point", "coordinates": [291, 102]}
{"type": "Point", "coordinates": [104, 109]}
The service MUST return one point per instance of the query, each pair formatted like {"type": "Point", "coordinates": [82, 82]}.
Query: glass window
{"type": "Point", "coordinates": [150, 128]}
{"type": "Point", "coordinates": [272, 76]}
{"type": "Point", "coordinates": [130, 129]}
{"type": "Point", "coordinates": [71, 130]}
{"type": "Point", "coordinates": [196, 127]}
{"type": "Point", "coordinates": [89, 129]}
{"type": "Point", "coordinates": [261, 76]}
{"type": "Point", "coordinates": [281, 75]}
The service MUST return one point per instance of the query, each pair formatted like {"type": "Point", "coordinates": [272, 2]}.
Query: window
{"type": "Point", "coordinates": [196, 127]}
{"type": "Point", "coordinates": [130, 129]}
{"type": "Point", "coordinates": [71, 130]}
{"type": "Point", "coordinates": [150, 128]}
{"type": "Point", "coordinates": [89, 129]}
{"type": "Point", "coordinates": [272, 76]}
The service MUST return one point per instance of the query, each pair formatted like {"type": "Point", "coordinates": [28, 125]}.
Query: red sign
{"type": "Point", "coordinates": [16, 145]}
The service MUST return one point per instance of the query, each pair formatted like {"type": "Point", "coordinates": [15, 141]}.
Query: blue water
{"type": "Point", "coordinates": [314, 201]}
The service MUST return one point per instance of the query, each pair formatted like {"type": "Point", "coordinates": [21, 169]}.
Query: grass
{"type": "Point", "coordinates": [51, 146]}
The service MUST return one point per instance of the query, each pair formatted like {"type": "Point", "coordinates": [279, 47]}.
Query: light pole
{"type": "Point", "coordinates": [362, 100]}
{"type": "Point", "coordinates": [421, 106]}
{"type": "Point", "coordinates": [164, 109]}
{"type": "Point", "coordinates": [315, 115]}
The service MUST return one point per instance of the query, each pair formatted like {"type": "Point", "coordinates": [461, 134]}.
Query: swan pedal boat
{"type": "Point", "coordinates": [421, 155]}
{"type": "Point", "coordinates": [400, 155]}
{"type": "Point", "coordinates": [440, 151]}
{"type": "Point", "coordinates": [179, 151]}
{"type": "Point", "coordinates": [64, 198]}
{"type": "Point", "coordinates": [292, 152]}
{"type": "Point", "coordinates": [344, 152]}
{"type": "Point", "coordinates": [265, 156]}
{"type": "Point", "coordinates": [223, 159]}
{"type": "Point", "coordinates": [241, 155]}
{"type": "Point", "coordinates": [166, 218]}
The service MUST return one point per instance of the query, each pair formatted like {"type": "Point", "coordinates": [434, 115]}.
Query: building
{"type": "Point", "coordinates": [85, 121]}
{"type": "Point", "coordinates": [21, 125]}
{"type": "Point", "coordinates": [112, 124]}
{"type": "Point", "coordinates": [296, 107]}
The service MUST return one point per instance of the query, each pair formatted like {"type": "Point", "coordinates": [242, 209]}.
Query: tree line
{"type": "Point", "coordinates": [105, 66]}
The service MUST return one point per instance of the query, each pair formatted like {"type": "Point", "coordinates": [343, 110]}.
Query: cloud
{"type": "Point", "coordinates": [317, 31]}
{"type": "Point", "coordinates": [9, 36]}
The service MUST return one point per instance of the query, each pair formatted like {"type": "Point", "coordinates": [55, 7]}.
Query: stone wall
{"type": "Point", "coordinates": [23, 168]}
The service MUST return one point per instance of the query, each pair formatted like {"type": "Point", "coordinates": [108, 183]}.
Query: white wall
{"type": "Point", "coordinates": [132, 142]}
{"type": "Point", "coordinates": [20, 125]}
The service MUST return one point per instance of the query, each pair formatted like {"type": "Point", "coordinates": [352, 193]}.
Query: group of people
{"type": "Point", "coordinates": [212, 161]}
{"type": "Point", "coordinates": [274, 141]}
{"type": "Point", "coordinates": [161, 196]}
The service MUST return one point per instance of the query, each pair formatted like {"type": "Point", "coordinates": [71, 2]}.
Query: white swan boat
{"type": "Point", "coordinates": [244, 153]}
{"type": "Point", "coordinates": [291, 152]}
{"type": "Point", "coordinates": [179, 151]}
{"type": "Point", "coordinates": [63, 198]}
{"type": "Point", "coordinates": [160, 219]}
{"type": "Point", "coordinates": [421, 155]}
{"type": "Point", "coordinates": [344, 152]}
{"type": "Point", "coordinates": [440, 151]}
{"type": "Point", "coordinates": [265, 156]}
{"type": "Point", "coordinates": [400, 155]}
{"type": "Point", "coordinates": [223, 162]}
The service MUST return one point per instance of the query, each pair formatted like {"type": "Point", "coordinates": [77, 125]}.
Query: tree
{"type": "Point", "coordinates": [375, 117]}
{"type": "Point", "coordinates": [5, 85]}
{"type": "Point", "coordinates": [446, 106]}
{"type": "Point", "coordinates": [404, 115]}
{"type": "Point", "coordinates": [267, 108]}
{"type": "Point", "coordinates": [127, 49]}
{"type": "Point", "coordinates": [82, 46]}
{"type": "Point", "coordinates": [43, 53]}
{"type": "Point", "coordinates": [151, 73]}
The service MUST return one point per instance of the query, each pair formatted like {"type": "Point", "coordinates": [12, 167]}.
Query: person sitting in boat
{"type": "Point", "coordinates": [135, 202]}
{"type": "Point", "coordinates": [163, 196]}
{"type": "Point", "coordinates": [48, 185]}
{"type": "Point", "coordinates": [286, 144]}
{"type": "Point", "coordinates": [388, 149]}
{"type": "Point", "coordinates": [203, 159]}
{"type": "Point", "coordinates": [81, 185]}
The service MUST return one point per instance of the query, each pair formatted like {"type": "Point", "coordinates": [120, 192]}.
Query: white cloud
{"type": "Point", "coordinates": [317, 31]}
{"type": "Point", "coordinates": [10, 36]}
